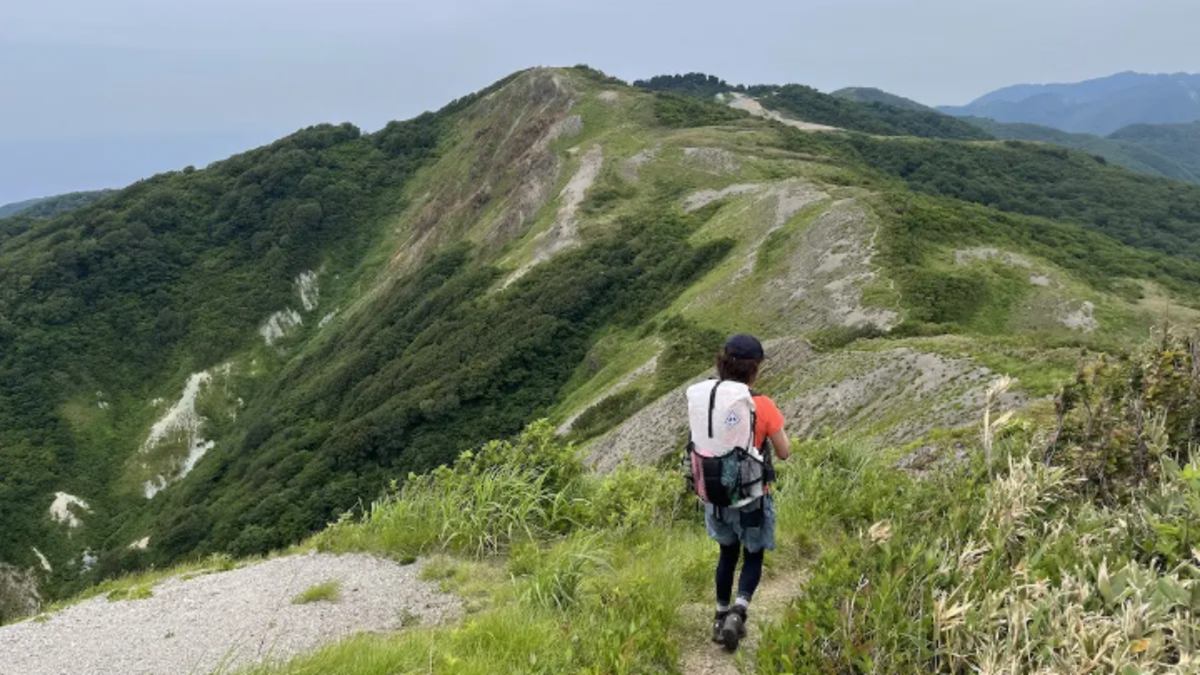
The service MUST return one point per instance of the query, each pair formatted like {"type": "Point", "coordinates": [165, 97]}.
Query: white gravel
{"type": "Point", "coordinates": [224, 620]}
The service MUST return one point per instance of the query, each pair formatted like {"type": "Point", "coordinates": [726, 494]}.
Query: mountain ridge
{"type": "Point", "coordinates": [1100, 106]}
{"type": "Point", "coordinates": [337, 309]}
{"type": "Point", "coordinates": [874, 95]}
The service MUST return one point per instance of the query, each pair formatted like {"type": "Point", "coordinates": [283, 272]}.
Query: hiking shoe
{"type": "Point", "coordinates": [734, 628]}
{"type": "Point", "coordinates": [718, 624]}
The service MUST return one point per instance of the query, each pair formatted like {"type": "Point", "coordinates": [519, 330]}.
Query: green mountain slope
{"type": "Point", "coordinates": [873, 95]}
{"type": "Point", "coordinates": [48, 207]}
{"type": "Point", "coordinates": [1152, 159]}
{"type": "Point", "coordinates": [1179, 143]}
{"type": "Point", "coordinates": [105, 308]}
{"type": "Point", "coordinates": [1036, 180]}
{"type": "Point", "coordinates": [866, 112]}
{"type": "Point", "coordinates": [810, 105]}
{"type": "Point", "coordinates": [1131, 154]}
{"type": "Point", "coordinates": [227, 359]}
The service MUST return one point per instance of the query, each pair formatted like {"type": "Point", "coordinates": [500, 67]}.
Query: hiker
{"type": "Point", "coordinates": [728, 464]}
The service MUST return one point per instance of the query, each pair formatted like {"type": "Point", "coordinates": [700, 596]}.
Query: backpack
{"type": "Point", "coordinates": [721, 464]}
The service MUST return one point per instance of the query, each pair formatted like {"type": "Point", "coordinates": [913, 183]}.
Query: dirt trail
{"type": "Point", "coordinates": [564, 233]}
{"type": "Point", "coordinates": [743, 102]}
{"type": "Point", "coordinates": [700, 656]}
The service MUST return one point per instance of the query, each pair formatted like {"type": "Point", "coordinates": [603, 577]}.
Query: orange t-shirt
{"type": "Point", "coordinates": [767, 419]}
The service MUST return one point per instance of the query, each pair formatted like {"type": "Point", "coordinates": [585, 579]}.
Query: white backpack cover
{"type": "Point", "coordinates": [723, 466]}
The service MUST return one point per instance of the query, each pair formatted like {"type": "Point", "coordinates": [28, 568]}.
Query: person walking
{"type": "Point", "coordinates": [736, 433]}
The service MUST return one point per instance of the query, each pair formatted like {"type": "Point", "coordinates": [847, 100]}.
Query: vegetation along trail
{"type": "Point", "coordinates": [427, 383]}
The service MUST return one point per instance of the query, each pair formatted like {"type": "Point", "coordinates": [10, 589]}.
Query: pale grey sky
{"type": "Point", "coordinates": [98, 93]}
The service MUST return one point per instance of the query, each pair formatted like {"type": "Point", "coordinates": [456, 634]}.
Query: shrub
{"type": "Point", "coordinates": [1121, 415]}
{"type": "Point", "coordinates": [674, 110]}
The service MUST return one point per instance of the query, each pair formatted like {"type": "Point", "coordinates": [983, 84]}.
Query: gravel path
{"type": "Point", "coordinates": [224, 620]}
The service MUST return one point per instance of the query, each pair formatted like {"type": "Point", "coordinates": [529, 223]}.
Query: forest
{"type": "Point", "coordinates": [163, 277]}
{"type": "Point", "coordinates": [1050, 182]}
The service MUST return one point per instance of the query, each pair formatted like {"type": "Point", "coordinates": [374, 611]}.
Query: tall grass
{"type": "Point", "coordinates": [595, 567]}
{"type": "Point", "coordinates": [528, 489]}
{"type": "Point", "coordinates": [1030, 571]}
{"type": "Point", "coordinates": [1012, 565]}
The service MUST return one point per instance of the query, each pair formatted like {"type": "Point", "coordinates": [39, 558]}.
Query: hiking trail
{"type": "Point", "coordinates": [701, 656]}
{"type": "Point", "coordinates": [223, 620]}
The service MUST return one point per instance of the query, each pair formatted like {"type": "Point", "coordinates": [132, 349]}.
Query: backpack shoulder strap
{"type": "Point", "coordinates": [712, 404]}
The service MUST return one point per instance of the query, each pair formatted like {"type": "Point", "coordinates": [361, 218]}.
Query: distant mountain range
{"type": "Point", "coordinates": [1149, 124]}
{"type": "Point", "coordinates": [1100, 106]}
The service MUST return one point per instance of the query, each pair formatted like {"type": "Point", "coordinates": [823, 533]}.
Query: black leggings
{"type": "Point", "coordinates": [751, 573]}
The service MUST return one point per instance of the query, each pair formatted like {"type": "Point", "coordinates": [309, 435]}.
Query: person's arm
{"type": "Point", "coordinates": [781, 444]}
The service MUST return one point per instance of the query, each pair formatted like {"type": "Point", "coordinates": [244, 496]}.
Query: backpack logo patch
{"type": "Point", "coordinates": [732, 420]}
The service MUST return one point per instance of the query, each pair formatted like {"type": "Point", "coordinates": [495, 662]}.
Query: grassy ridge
{"type": "Point", "coordinates": [1024, 563]}
{"type": "Point", "coordinates": [869, 111]}
{"type": "Point", "coordinates": [561, 570]}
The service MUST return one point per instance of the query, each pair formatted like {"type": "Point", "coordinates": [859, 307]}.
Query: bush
{"type": "Point", "coordinates": [1121, 415]}
{"type": "Point", "coordinates": [841, 336]}
{"type": "Point", "coordinates": [674, 110]}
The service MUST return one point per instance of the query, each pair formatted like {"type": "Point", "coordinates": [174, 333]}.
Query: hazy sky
{"type": "Point", "coordinates": [98, 93]}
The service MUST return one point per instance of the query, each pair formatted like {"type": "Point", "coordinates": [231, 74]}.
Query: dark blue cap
{"type": "Point", "coordinates": [743, 346]}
